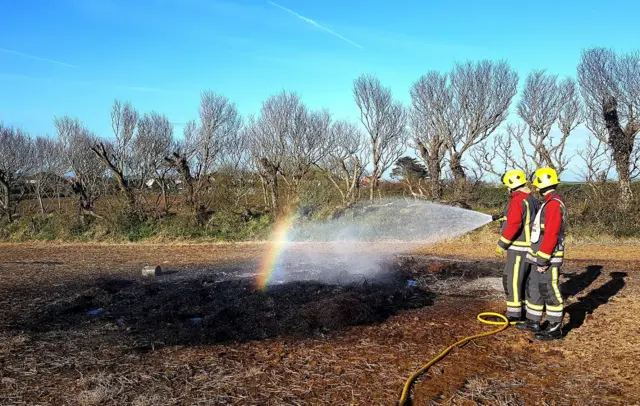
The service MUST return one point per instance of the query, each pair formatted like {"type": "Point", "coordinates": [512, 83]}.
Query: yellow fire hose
{"type": "Point", "coordinates": [481, 317]}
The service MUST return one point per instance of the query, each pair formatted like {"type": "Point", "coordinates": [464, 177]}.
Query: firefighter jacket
{"type": "Point", "coordinates": [516, 229]}
{"type": "Point", "coordinates": [548, 232]}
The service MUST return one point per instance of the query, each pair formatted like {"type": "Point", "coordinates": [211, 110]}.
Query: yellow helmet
{"type": "Point", "coordinates": [514, 178]}
{"type": "Point", "coordinates": [544, 178]}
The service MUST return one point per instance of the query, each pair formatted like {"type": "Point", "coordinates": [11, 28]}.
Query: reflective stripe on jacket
{"type": "Point", "coordinates": [548, 232]}
{"type": "Point", "coordinates": [516, 229]}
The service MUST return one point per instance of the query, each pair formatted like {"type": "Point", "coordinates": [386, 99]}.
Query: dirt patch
{"type": "Point", "coordinates": [312, 344]}
{"type": "Point", "coordinates": [206, 310]}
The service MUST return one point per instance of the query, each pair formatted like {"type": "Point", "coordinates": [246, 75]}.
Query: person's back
{"type": "Point", "coordinates": [515, 240]}
{"type": "Point", "coordinates": [547, 256]}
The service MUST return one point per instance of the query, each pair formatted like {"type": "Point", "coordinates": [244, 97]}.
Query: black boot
{"type": "Point", "coordinates": [553, 332]}
{"type": "Point", "coordinates": [514, 318]}
{"type": "Point", "coordinates": [533, 326]}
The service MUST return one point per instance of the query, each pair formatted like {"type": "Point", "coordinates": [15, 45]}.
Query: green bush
{"type": "Point", "coordinates": [593, 214]}
{"type": "Point", "coordinates": [38, 227]}
{"type": "Point", "coordinates": [222, 226]}
{"type": "Point", "coordinates": [139, 231]}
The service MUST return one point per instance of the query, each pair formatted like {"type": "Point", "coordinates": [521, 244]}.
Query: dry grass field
{"type": "Point", "coordinates": [194, 336]}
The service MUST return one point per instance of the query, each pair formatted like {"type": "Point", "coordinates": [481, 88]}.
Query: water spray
{"type": "Point", "coordinates": [357, 242]}
{"type": "Point", "coordinates": [361, 239]}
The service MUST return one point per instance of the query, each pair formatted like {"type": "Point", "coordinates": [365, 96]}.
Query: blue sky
{"type": "Point", "coordinates": [76, 56]}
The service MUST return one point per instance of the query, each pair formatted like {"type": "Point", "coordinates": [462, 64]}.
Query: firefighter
{"type": "Point", "coordinates": [546, 256]}
{"type": "Point", "coordinates": [515, 241]}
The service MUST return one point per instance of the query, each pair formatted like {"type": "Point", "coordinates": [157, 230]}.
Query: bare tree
{"type": "Point", "coordinates": [345, 163]}
{"type": "Point", "coordinates": [237, 166]}
{"type": "Point", "coordinates": [610, 86]}
{"type": "Point", "coordinates": [49, 168]}
{"type": "Point", "coordinates": [571, 116]}
{"type": "Point", "coordinates": [429, 125]}
{"type": "Point", "coordinates": [16, 161]}
{"type": "Point", "coordinates": [411, 173]}
{"type": "Point", "coordinates": [270, 137]}
{"type": "Point", "coordinates": [250, 133]}
{"type": "Point", "coordinates": [219, 121]}
{"type": "Point", "coordinates": [287, 141]}
{"type": "Point", "coordinates": [124, 119]}
{"type": "Point", "coordinates": [635, 161]}
{"type": "Point", "coordinates": [385, 121]}
{"type": "Point", "coordinates": [201, 152]}
{"type": "Point", "coordinates": [545, 103]}
{"type": "Point", "coordinates": [594, 171]}
{"type": "Point", "coordinates": [86, 168]}
{"type": "Point", "coordinates": [307, 144]}
{"type": "Point", "coordinates": [152, 143]}
{"type": "Point", "coordinates": [481, 94]}
{"type": "Point", "coordinates": [466, 106]}
{"type": "Point", "coordinates": [597, 162]}
{"type": "Point", "coordinates": [498, 155]}
{"type": "Point", "coordinates": [180, 161]}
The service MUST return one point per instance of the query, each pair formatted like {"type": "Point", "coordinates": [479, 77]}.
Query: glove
{"type": "Point", "coordinates": [542, 262]}
{"type": "Point", "coordinates": [500, 252]}
{"type": "Point", "coordinates": [542, 269]}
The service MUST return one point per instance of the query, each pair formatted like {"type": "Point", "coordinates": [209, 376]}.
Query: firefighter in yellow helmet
{"type": "Point", "coordinates": [546, 256]}
{"type": "Point", "coordinates": [515, 241]}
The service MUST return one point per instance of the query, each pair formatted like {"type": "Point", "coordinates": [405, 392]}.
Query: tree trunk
{"type": "Point", "coordinates": [543, 153]}
{"type": "Point", "coordinates": [40, 201]}
{"type": "Point", "coordinates": [375, 174]}
{"type": "Point", "coordinates": [274, 192]}
{"type": "Point", "coordinates": [179, 162]}
{"type": "Point", "coordinates": [6, 198]}
{"type": "Point", "coordinates": [459, 176]}
{"type": "Point", "coordinates": [411, 188]}
{"type": "Point", "coordinates": [435, 172]}
{"type": "Point", "coordinates": [345, 197]}
{"type": "Point", "coordinates": [202, 215]}
{"type": "Point", "coordinates": [165, 199]}
{"type": "Point", "coordinates": [432, 158]}
{"type": "Point", "coordinates": [622, 147]}
{"type": "Point", "coordinates": [84, 202]}
{"type": "Point", "coordinates": [38, 191]}
{"type": "Point", "coordinates": [355, 189]}
{"type": "Point", "coordinates": [101, 152]}
{"type": "Point", "coordinates": [372, 188]}
{"type": "Point", "coordinates": [626, 194]}
{"type": "Point", "coordinates": [263, 181]}
{"type": "Point", "coordinates": [456, 167]}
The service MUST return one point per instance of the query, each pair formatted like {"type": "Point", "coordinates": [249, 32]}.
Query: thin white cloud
{"type": "Point", "coordinates": [36, 58]}
{"type": "Point", "coordinates": [315, 24]}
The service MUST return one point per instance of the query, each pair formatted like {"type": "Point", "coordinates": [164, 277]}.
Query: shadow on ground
{"type": "Point", "coordinates": [577, 283]}
{"type": "Point", "coordinates": [206, 310]}
{"type": "Point", "coordinates": [587, 304]}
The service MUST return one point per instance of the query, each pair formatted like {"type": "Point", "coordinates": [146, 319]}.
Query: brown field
{"type": "Point", "coordinates": [289, 347]}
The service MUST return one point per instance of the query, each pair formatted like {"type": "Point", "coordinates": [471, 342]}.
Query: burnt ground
{"type": "Point", "coordinates": [80, 326]}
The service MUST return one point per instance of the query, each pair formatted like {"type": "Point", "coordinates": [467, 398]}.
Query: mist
{"type": "Point", "coordinates": [354, 247]}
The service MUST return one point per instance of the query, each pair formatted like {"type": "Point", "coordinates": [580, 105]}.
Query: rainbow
{"type": "Point", "coordinates": [278, 241]}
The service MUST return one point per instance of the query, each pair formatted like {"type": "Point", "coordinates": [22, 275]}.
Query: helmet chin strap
{"type": "Point", "coordinates": [524, 188]}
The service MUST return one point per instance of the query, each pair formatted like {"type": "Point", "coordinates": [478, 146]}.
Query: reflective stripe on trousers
{"type": "Point", "coordinates": [514, 277]}
{"type": "Point", "coordinates": [543, 293]}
